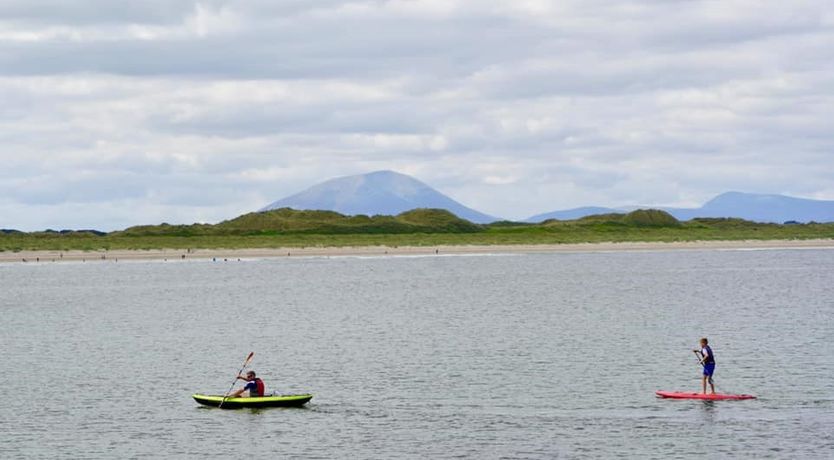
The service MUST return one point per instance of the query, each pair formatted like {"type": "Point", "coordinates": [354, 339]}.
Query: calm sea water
{"type": "Point", "coordinates": [531, 356]}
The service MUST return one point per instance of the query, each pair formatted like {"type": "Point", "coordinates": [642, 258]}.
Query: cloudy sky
{"type": "Point", "coordinates": [114, 114]}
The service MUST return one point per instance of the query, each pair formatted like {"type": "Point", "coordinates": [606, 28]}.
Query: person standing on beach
{"type": "Point", "coordinates": [708, 361]}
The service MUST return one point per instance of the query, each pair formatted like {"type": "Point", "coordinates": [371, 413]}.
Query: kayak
{"type": "Point", "coordinates": [261, 401]}
{"type": "Point", "coordinates": [706, 397]}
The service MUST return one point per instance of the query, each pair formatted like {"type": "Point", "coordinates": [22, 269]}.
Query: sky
{"type": "Point", "coordinates": [115, 114]}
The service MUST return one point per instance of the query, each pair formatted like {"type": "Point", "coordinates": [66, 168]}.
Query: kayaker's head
{"type": "Point", "coordinates": [250, 375]}
{"type": "Point", "coordinates": [704, 342]}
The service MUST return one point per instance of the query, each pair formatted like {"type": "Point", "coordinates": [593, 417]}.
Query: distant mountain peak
{"type": "Point", "coordinates": [733, 196]}
{"type": "Point", "coordinates": [378, 192]}
{"type": "Point", "coordinates": [383, 173]}
{"type": "Point", "coordinates": [756, 207]}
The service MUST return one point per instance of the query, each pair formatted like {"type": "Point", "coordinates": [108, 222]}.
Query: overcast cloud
{"type": "Point", "coordinates": [182, 111]}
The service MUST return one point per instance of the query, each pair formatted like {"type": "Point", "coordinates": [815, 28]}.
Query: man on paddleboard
{"type": "Point", "coordinates": [254, 386]}
{"type": "Point", "coordinates": [708, 361]}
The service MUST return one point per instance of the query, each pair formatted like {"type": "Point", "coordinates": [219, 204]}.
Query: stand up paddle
{"type": "Point", "coordinates": [245, 363]}
{"type": "Point", "coordinates": [704, 396]}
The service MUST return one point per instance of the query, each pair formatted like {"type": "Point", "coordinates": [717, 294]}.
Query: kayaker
{"type": "Point", "coordinates": [254, 386]}
{"type": "Point", "coordinates": [708, 361]}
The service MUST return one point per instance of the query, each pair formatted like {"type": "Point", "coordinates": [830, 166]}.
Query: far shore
{"type": "Point", "coordinates": [260, 253]}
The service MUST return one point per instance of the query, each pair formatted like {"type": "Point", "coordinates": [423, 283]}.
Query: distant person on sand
{"type": "Point", "coordinates": [254, 386]}
{"type": "Point", "coordinates": [708, 361]}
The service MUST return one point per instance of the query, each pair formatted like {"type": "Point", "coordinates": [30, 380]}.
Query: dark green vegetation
{"type": "Point", "coordinates": [419, 227]}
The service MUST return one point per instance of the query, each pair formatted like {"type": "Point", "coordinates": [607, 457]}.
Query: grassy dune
{"type": "Point", "coordinates": [419, 227]}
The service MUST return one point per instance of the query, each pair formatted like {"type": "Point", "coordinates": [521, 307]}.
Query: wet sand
{"type": "Point", "coordinates": [259, 253]}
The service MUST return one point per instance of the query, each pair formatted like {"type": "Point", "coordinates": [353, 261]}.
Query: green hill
{"type": "Point", "coordinates": [650, 218]}
{"type": "Point", "coordinates": [293, 222]}
{"type": "Point", "coordinates": [419, 227]}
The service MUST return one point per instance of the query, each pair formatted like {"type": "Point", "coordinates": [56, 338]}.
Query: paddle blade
{"type": "Point", "coordinates": [249, 358]}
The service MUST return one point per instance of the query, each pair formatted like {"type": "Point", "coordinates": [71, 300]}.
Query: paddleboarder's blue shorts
{"type": "Point", "coordinates": [709, 368]}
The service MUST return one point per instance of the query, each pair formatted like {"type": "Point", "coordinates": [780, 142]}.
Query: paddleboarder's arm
{"type": "Point", "coordinates": [700, 355]}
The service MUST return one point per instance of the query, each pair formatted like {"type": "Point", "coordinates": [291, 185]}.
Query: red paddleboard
{"type": "Point", "coordinates": [708, 396]}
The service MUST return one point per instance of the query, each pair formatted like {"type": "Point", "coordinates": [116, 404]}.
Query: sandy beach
{"type": "Point", "coordinates": [259, 253]}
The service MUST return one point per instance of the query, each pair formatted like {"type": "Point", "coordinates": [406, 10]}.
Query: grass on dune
{"type": "Point", "coordinates": [419, 227]}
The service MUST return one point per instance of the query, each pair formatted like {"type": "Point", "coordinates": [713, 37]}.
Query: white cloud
{"type": "Point", "coordinates": [184, 111]}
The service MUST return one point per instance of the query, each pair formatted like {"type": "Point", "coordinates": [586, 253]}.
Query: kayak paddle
{"type": "Point", "coordinates": [245, 363]}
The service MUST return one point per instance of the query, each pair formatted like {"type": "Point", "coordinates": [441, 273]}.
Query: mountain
{"type": "Point", "coordinates": [748, 206]}
{"type": "Point", "coordinates": [379, 192]}
{"type": "Point", "coordinates": [760, 208]}
{"type": "Point", "coordinates": [571, 214]}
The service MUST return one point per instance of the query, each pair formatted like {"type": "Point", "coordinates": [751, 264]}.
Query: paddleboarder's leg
{"type": "Point", "coordinates": [709, 369]}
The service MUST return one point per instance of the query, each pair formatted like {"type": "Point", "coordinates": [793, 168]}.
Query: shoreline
{"type": "Point", "coordinates": [261, 253]}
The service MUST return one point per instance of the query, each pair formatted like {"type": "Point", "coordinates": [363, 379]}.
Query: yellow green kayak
{"type": "Point", "coordinates": [261, 401]}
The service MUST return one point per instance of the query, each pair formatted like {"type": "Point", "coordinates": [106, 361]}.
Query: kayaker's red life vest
{"type": "Point", "coordinates": [255, 387]}
{"type": "Point", "coordinates": [260, 385]}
